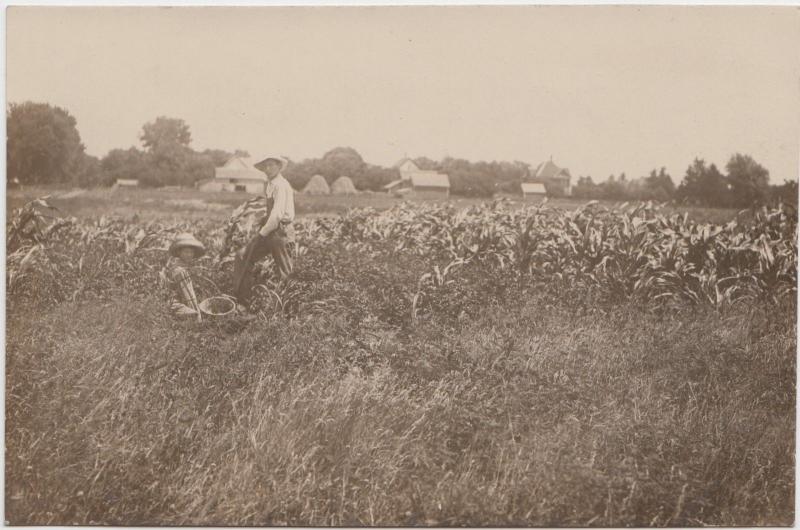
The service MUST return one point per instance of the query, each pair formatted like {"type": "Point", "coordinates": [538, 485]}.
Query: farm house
{"type": "Point", "coordinates": [343, 186]}
{"type": "Point", "coordinates": [238, 174]}
{"type": "Point", "coordinates": [533, 190]}
{"type": "Point", "coordinates": [556, 180]}
{"type": "Point", "coordinates": [416, 182]}
{"type": "Point", "coordinates": [317, 186]}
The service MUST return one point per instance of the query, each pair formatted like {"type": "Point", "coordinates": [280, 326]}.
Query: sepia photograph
{"type": "Point", "coordinates": [401, 266]}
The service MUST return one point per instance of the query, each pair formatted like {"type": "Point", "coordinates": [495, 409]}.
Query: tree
{"type": "Point", "coordinates": [165, 134]}
{"type": "Point", "coordinates": [43, 144]}
{"type": "Point", "coordinates": [426, 163]}
{"type": "Point", "coordinates": [219, 157]}
{"type": "Point", "coordinates": [166, 142]}
{"type": "Point", "coordinates": [749, 181]}
{"type": "Point", "coordinates": [661, 184]}
{"type": "Point", "coordinates": [198, 167]}
{"type": "Point", "coordinates": [126, 164]}
{"type": "Point", "coordinates": [89, 173]}
{"type": "Point", "coordinates": [468, 178]}
{"type": "Point", "coordinates": [586, 189]}
{"type": "Point", "coordinates": [342, 161]}
{"type": "Point", "coordinates": [615, 188]}
{"type": "Point", "coordinates": [657, 186]}
{"type": "Point", "coordinates": [299, 173]}
{"type": "Point", "coordinates": [703, 185]}
{"type": "Point", "coordinates": [375, 177]}
{"type": "Point", "coordinates": [785, 193]}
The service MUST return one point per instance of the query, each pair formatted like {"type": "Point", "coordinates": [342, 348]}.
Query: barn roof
{"type": "Point", "coordinates": [393, 184]}
{"type": "Point", "coordinates": [239, 167]}
{"type": "Point", "coordinates": [239, 162]}
{"type": "Point", "coordinates": [548, 170]}
{"type": "Point", "coordinates": [241, 174]}
{"type": "Point", "coordinates": [403, 161]}
{"type": "Point", "coordinates": [533, 187]}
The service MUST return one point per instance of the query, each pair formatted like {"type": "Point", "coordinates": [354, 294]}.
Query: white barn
{"type": "Point", "coordinates": [417, 182]}
{"type": "Point", "coordinates": [238, 174]}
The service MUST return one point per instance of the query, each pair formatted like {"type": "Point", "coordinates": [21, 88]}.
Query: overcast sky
{"type": "Point", "coordinates": [601, 89]}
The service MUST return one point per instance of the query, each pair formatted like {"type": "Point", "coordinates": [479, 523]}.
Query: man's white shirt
{"type": "Point", "coordinates": [282, 195]}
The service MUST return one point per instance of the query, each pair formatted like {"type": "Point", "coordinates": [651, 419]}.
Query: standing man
{"type": "Point", "coordinates": [276, 231]}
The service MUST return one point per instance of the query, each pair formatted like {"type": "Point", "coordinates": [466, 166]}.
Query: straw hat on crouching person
{"type": "Point", "coordinates": [186, 240]}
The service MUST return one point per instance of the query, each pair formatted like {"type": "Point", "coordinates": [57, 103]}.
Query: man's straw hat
{"type": "Point", "coordinates": [261, 160]}
{"type": "Point", "coordinates": [187, 240]}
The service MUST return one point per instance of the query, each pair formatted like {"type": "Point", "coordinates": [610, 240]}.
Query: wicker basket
{"type": "Point", "coordinates": [218, 306]}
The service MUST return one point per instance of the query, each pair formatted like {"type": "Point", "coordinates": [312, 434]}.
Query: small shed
{"type": "Point", "coordinates": [533, 190]}
{"type": "Point", "coordinates": [238, 174]}
{"type": "Point", "coordinates": [127, 183]}
{"type": "Point", "coordinates": [317, 186]}
{"type": "Point", "coordinates": [343, 186]}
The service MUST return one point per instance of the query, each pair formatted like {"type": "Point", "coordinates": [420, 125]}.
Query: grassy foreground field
{"type": "Point", "coordinates": [509, 400]}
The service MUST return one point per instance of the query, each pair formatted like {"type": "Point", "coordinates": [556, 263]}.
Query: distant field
{"type": "Point", "coordinates": [188, 204]}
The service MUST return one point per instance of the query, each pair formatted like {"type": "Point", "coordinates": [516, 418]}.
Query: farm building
{"type": "Point", "coordinates": [556, 180]}
{"type": "Point", "coordinates": [238, 174]}
{"type": "Point", "coordinates": [317, 186]}
{"type": "Point", "coordinates": [416, 182]}
{"type": "Point", "coordinates": [127, 183]}
{"type": "Point", "coordinates": [533, 190]}
{"type": "Point", "coordinates": [343, 186]}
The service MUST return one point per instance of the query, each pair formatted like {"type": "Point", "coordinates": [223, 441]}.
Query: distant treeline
{"type": "Point", "coordinates": [745, 184]}
{"type": "Point", "coordinates": [44, 147]}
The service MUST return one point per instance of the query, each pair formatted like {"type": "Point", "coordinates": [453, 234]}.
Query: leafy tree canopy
{"type": "Point", "coordinates": [43, 144]}
{"type": "Point", "coordinates": [749, 181]}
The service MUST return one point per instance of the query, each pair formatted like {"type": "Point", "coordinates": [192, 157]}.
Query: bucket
{"type": "Point", "coordinates": [218, 306]}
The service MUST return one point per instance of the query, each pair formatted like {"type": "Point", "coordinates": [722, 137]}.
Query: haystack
{"type": "Point", "coordinates": [343, 186]}
{"type": "Point", "coordinates": [317, 186]}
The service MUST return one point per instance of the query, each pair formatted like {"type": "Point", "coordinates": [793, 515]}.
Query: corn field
{"type": "Point", "coordinates": [630, 253]}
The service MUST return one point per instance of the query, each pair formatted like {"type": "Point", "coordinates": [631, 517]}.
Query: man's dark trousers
{"type": "Point", "coordinates": [276, 244]}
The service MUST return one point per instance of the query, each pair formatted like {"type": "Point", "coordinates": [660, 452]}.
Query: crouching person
{"type": "Point", "coordinates": [184, 251]}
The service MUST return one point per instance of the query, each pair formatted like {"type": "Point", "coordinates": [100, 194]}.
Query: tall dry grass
{"type": "Point", "coordinates": [523, 413]}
